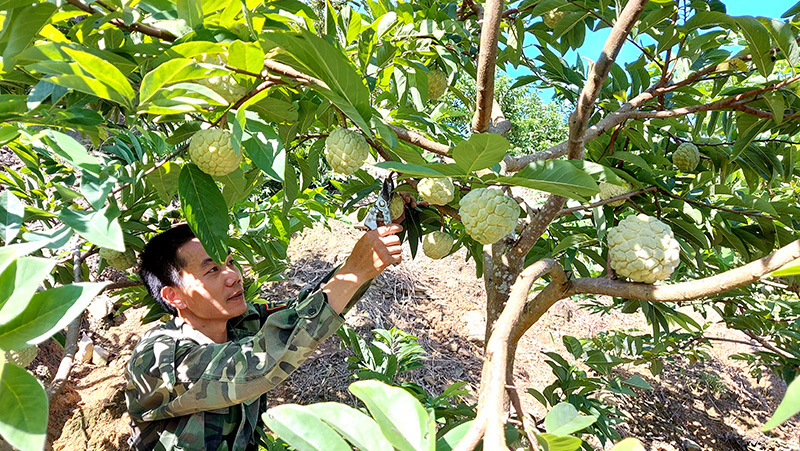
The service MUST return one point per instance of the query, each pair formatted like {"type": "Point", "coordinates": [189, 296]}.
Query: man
{"type": "Point", "coordinates": [198, 382]}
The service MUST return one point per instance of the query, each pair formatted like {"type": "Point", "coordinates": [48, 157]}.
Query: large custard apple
{"type": "Point", "coordinates": [488, 214]}
{"type": "Point", "coordinates": [609, 190]}
{"type": "Point", "coordinates": [437, 84]}
{"type": "Point", "coordinates": [686, 157]}
{"type": "Point", "coordinates": [118, 260]}
{"type": "Point", "coordinates": [396, 207]}
{"type": "Point", "coordinates": [212, 151]}
{"type": "Point", "coordinates": [21, 357]}
{"type": "Point", "coordinates": [436, 191]}
{"type": "Point", "coordinates": [643, 249]}
{"type": "Point", "coordinates": [553, 17]}
{"type": "Point", "coordinates": [437, 244]}
{"type": "Point", "coordinates": [346, 150]}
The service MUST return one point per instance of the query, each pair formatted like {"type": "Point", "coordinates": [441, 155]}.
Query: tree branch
{"type": "Point", "coordinates": [487, 59]}
{"type": "Point", "coordinates": [119, 23]}
{"type": "Point", "coordinates": [420, 141]}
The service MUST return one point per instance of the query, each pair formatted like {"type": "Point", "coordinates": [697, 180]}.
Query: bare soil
{"type": "Point", "coordinates": [714, 405]}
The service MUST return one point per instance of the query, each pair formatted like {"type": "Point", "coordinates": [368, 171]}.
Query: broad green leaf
{"type": "Point", "coordinates": [18, 283]}
{"type": "Point", "coordinates": [564, 419]}
{"type": "Point", "coordinates": [359, 429]}
{"type": "Point", "coordinates": [637, 381]}
{"type": "Point", "coordinates": [759, 43]}
{"type": "Point", "coordinates": [782, 34]}
{"type": "Point", "coordinates": [629, 444]}
{"type": "Point", "coordinates": [165, 180]}
{"type": "Point", "coordinates": [633, 159]}
{"type": "Point", "coordinates": [576, 240]}
{"type": "Point", "coordinates": [20, 27]}
{"type": "Point", "coordinates": [11, 213]}
{"type": "Point", "coordinates": [453, 437]}
{"type": "Point", "coordinates": [67, 147]}
{"type": "Point", "coordinates": [173, 71]}
{"type": "Point", "coordinates": [9, 253]}
{"type": "Point", "coordinates": [234, 186]}
{"type": "Point", "coordinates": [97, 189]}
{"type": "Point", "coordinates": [788, 408]}
{"type": "Point", "coordinates": [480, 151]}
{"type": "Point", "coordinates": [48, 312]}
{"type": "Point", "coordinates": [401, 417]}
{"type": "Point", "coordinates": [73, 76]}
{"type": "Point", "coordinates": [205, 210]}
{"type": "Point", "coordinates": [23, 408]}
{"type": "Point", "coordinates": [302, 429]}
{"type": "Point", "coordinates": [99, 227]}
{"type": "Point", "coordinates": [246, 56]}
{"type": "Point", "coordinates": [598, 172]}
{"type": "Point", "coordinates": [8, 133]}
{"type": "Point", "coordinates": [789, 269]}
{"type": "Point", "coordinates": [550, 442]}
{"type": "Point", "coordinates": [267, 154]}
{"type": "Point", "coordinates": [413, 170]}
{"type": "Point", "coordinates": [50, 239]}
{"type": "Point", "coordinates": [104, 72]}
{"type": "Point", "coordinates": [776, 104]}
{"type": "Point", "coordinates": [191, 11]}
{"type": "Point", "coordinates": [792, 11]}
{"type": "Point", "coordinates": [558, 177]}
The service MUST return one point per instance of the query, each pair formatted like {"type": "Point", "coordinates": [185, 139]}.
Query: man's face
{"type": "Point", "coordinates": [209, 291]}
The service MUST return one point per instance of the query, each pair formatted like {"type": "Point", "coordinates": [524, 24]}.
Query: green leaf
{"type": "Point", "coordinates": [359, 429]}
{"type": "Point", "coordinates": [638, 382]}
{"type": "Point", "coordinates": [564, 419]}
{"type": "Point", "coordinates": [401, 417]}
{"type": "Point", "coordinates": [792, 11]}
{"type": "Point", "coordinates": [480, 151]}
{"type": "Point", "coordinates": [11, 214]}
{"type": "Point", "coordinates": [104, 72]}
{"type": "Point", "coordinates": [173, 71]}
{"type": "Point", "coordinates": [73, 76]}
{"type": "Point", "coordinates": [20, 27]}
{"type": "Point", "coordinates": [204, 209]}
{"type": "Point", "coordinates": [165, 180]}
{"type": "Point", "coordinates": [96, 189]}
{"type": "Point", "coordinates": [558, 177]}
{"type": "Point", "coordinates": [268, 155]}
{"type": "Point", "coordinates": [576, 240]}
{"type": "Point", "coordinates": [191, 11]}
{"type": "Point", "coordinates": [246, 56]}
{"type": "Point", "coordinates": [550, 442]}
{"type": "Point", "coordinates": [23, 408]}
{"type": "Point", "coordinates": [302, 429]}
{"type": "Point", "coordinates": [99, 227]}
{"type": "Point", "coordinates": [449, 440]}
{"type": "Point", "coordinates": [789, 407]}
{"type": "Point", "coordinates": [776, 104]}
{"type": "Point", "coordinates": [67, 147]}
{"type": "Point", "coordinates": [629, 444]}
{"type": "Point", "coordinates": [782, 34]}
{"type": "Point", "coordinates": [759, 43]}
{"type": "Point", "coordinates": [48, 312]}
{"type": "Point", "coordinates": [19, 282]}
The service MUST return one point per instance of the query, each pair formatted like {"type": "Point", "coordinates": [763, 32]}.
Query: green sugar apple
{"type": "Point", "coordinates": [553, 17]}
{"type": "Point", "coordinates": [224, 85]}
{"type": "Point", "coordinates": [609, 190]}
{"type": "Point", "coordinates": [346, 150]}
{"type": "Point", "coordinates": [436, 191]}
{"type": "Point", "coordinates": [488, 214]}
{"type": "Point", "coordinates": [396, 207]}
{"type": "Point", "coordinates": [118, 260]}
{"type": "Point", "coordinates": [437, 84]}
{"type": "Point", "coordinates": [643, 249]}
{"type": "Point", "coordinates": [21, 357]}
{"type": "Point", "coordinates": [437, 244]}
{"type": "Point", "coordinates": [686, 157]}
{"type": "Point", "coordinates": [212, 151]}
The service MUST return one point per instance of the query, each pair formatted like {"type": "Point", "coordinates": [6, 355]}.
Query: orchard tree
{"type": "Point", "coordinates": [129, 117]}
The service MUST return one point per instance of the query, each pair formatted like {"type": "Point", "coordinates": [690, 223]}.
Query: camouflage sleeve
{"type": "Point", "coordinates": [174, 382]}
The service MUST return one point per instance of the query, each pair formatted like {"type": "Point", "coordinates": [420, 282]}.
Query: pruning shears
{"type": "Point", "coordinates": [380, 209]}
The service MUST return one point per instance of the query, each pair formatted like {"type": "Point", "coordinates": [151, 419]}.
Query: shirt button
{"type": "Point", "coordinates": [312, 311]}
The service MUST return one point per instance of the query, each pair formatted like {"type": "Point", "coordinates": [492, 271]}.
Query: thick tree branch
{"type": "Point", "coordinates": [144, 29]}
{"type": "Point", "coordinates": [420, 141]}
{"type": "Point", "coordinates": [487, 59]}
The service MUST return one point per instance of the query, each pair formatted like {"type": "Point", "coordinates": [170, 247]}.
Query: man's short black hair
{"type": "Point", "coordinates": [161, 266]}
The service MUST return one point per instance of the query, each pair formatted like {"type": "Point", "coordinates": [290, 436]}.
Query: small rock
{"type": "Point", "coordinates": [453, 346]}
{"type": "Point", "coordinates": [85, 349]}
{"type": "Point", "coordinates": [101, 307]}
{"type": "Point", "coordinates": [100, 356]}
{"type": "Point", "coordinates": [691, 445]}
{"type": "Point", "coordinates": [476, 326]}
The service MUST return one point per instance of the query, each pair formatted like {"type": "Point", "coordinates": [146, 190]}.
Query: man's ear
{"type": "Point", "coordinates": [173, 298]}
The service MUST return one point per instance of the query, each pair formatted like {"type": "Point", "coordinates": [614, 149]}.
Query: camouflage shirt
{"type": "Point", "coordinates": [186, 392]}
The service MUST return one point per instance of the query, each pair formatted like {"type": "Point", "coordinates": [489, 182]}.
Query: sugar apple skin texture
{"type": "Point", "coordinates": [488, 214]}
{"type": "Point", "coordinates": [21, 357]}
{"type": "Point", "coordinates": [346, 150]}
{"type": "Point", "coordinates": [686, 157]}
{"type": "Point", "coordinates": [118, 260]}
{"type": "Point", "coordinates": [436, 191]}
{"type": "Point", "coordinates": [609, 190]}
{"type": "Point", "coordinates": [643, 249]}
{"type": "Point", "coordinates": [212, 151]}
{"type": "Point", "coordinates": [437, 84]}
{"type": "Point", "coordinates": [437, 244]}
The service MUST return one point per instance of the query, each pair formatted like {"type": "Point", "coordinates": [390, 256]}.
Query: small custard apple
{"type": "Point", "coordinates": [346, 150]}
{"type": "Point", "coordinates": [609, 190]}
{"type": "Point", "coordinates": [212, 151]}
{"type": "Point", "coordinates": [436, 191]}
{"type": "Point", "coordinates": [488, 214]}
{"type": "Point", "coordinates": [553, 17]}
{"type": "Point", "coordinates": [686, 157]}
{"type": "Point", "coordinates": [437, 244]}
{"type": "Point", "coordinates": [437, 84]}
{"type": "Point", "coordinates": [119, 260]}
{"type": "Point", "coordinates": [643, 249]}
{"type": "Point", "coordinates": [224, 85]}
{"type": "Point", "coordinates": [21, 357]}
{"type": "Point", "coordinates": [396, 207]}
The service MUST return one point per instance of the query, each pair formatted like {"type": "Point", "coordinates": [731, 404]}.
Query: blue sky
{"type": "Point", "coordinates": [594, 42]}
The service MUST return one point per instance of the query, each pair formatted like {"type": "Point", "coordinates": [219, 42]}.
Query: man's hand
{"type": "Point", "coordinates": [375, 251]}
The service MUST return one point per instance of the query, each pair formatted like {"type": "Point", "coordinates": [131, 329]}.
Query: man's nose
{"type": "Point", "coordinates": [232, 275]}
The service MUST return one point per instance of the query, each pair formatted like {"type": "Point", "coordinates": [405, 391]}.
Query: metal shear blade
{"type": "Point", "coordinates": [380, 209]}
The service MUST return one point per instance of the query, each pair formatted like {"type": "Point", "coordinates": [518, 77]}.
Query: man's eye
{"type": "Point", "coordinates": [214, 269]}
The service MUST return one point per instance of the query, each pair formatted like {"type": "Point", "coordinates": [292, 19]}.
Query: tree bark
{"type": "Point", "coordinates": [487, 58]}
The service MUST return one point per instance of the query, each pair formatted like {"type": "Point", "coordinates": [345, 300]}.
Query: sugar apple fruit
{"type": "Point", "coordinates": [21, 357]}
{"type": "Point", "coordinates": [396, 207]}
{"type": "Point", "coordinates": [212, 151]}
{"type": "Point", "coordinates": [437, 244]}
{"type": "Point", "coordinates": [437, 84]}
{"type": "Point", "coordinates": [488, 214]}
{"type": "Point", "coordinates": [553, 17]}
{"type": "Point", "coordinates": [224, 85]}
{"type": "Point", "coordinates": [686, 157]}
{"type": "Point", "coordinates": [119, 260]}
{"type": "Point", "coordinates": [609, 190]}
{"type": "Point", "coordinates": [436, 191]}
{"type": "Point", "coordinates": [643, 249]}
{"type": "Point", "coordinates": [346, 150]}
